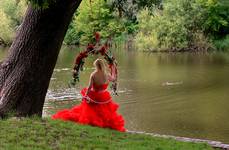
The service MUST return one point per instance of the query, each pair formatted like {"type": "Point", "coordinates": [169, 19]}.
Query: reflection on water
{"type": "Point", "coordinates": [182, 94]}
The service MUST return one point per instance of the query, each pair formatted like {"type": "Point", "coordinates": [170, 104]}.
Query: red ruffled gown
{"type": "Point", "coordinates": [100, 111]}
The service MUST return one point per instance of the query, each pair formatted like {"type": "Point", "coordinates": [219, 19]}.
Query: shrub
{"type": "Point", "coordinates": [14, 10]}
{"type": "Point", "coordinates": [97, 16]}
{"type": "Point", "coordinates": [6, 30]}
{"type": "Point", "coordinates": [177, 26]}
{"type": "Point", "coordinates": [11, 16]}
{"type": "Point", "coordinates": [216, 21]}
{"type": "Point", "coordinates": [72, 36]}
{"type": "Point", "coordinates": [222, 44]}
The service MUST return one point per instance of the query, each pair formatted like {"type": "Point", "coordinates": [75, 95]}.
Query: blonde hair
{"type": "Point", "coordinates": [100, 65]}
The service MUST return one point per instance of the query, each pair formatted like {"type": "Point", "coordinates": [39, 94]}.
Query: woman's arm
{"type": "Point", "coordinates": [113, 74]}
{"type": "Point", "coordinates": [90, 84]}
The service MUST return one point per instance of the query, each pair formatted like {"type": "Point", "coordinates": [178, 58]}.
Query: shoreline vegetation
{"type": "Point", "coordinates": [151, 25]}
{"type": "Point", "coordinates": [27, 133]}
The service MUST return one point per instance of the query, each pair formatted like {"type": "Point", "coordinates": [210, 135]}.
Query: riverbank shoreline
{"type": "Point", "coordinates": [27, 133]}
{"type": "Point", "coordinates": [213, 144]}
{"type": "Point", "coordinates": [181, 50]}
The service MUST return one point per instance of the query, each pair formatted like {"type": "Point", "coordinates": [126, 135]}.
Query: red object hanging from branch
{"type": "Point", "coordinates": [97, 37]}
{"type": "Point", "coordinates": [94, 49]}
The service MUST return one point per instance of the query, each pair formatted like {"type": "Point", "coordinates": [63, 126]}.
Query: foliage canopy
{"type": "Point", "coordinates": [11, 16]}
{"type": "Point", "coordinates": [184, 24]}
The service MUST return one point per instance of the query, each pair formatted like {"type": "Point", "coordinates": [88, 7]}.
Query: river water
{"type": "Point", "coordinates": [181, 94]}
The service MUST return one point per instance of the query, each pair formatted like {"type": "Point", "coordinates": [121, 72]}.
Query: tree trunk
{"type": "Point", "coordinates": [26, 72]}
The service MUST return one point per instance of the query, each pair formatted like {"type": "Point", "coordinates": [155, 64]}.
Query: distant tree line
{"type": "Point", "coordinates": [155, 25]}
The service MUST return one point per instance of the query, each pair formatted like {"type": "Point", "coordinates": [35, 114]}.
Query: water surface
{"type": "Point", "coordinates": [182, 94]}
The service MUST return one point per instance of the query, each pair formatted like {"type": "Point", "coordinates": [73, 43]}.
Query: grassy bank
{"type": "Point", "coordinates": [47, 134]}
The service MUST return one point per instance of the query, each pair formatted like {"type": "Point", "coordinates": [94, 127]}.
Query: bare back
{"type": "Point", "coordinates": [99, 78]}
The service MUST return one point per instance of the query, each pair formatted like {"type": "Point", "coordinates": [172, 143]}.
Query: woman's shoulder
{"type": "Point", "coordinates": [93, 73]}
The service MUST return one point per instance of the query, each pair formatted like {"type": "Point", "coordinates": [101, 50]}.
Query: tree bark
{"type": "Point", "coordinates": [26, 72]}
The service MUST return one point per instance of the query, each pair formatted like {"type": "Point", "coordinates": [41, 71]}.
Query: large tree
{"type": "Point", "coordinates": [25, 73]}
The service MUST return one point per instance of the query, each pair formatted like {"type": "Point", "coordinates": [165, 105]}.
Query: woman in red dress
{"type": "Point", "coordinates": [97, 107]}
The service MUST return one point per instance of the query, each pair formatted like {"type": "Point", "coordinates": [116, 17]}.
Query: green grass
{"type": "Point", "coordinates": [36, 134]}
